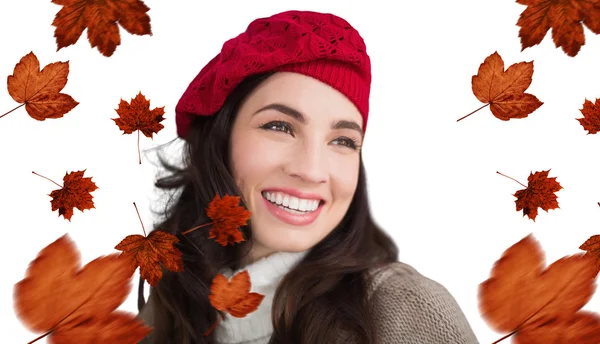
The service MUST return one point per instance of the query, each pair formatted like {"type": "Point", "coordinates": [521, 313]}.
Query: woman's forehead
{"type": "Point", "coordinates": [303, 93]}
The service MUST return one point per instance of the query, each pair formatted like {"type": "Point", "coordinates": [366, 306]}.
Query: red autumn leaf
{"type": "Point", "coordinates": [39, 90]}
{"type": "Point", "coordinates": [137, 116]}
{"type": "Point", "coordinates": [539, 305]}
{"type": "Point", "coordinates": [149, 252]}
{"type": "Point", "coordinates": [234, 296]}
{"type": "Point", "coordinates": [100, 18]}
{"type": "Point", "coordinates": [591, 116]}
{"type": "Point", "coordinates": [504, 91]}
{"type": "Point", "coordinates": [227, 217]}
{"type": "Point", "coordinates": [582, 328]}
{"type": "Point", "coordinates": [592, 246]}
{"type": "Point", "coordinates": [67, 302]}
{"type": "Point", "coordinates": [539, 193]}
{"type": "Point", "coordinates": [75, 193]}
{"type": "Point", "coordinates": [565, 18]}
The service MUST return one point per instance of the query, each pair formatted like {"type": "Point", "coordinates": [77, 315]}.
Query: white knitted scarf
{"type": "Point", "coordinates": [265, 275]}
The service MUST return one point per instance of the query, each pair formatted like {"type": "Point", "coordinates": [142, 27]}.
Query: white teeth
{"type": "Point", "coordinates": [280, 198]}
{"type": "Point", "coordinates": [294, 201]}
{"type": "Point", "coordinates": [302, 205]}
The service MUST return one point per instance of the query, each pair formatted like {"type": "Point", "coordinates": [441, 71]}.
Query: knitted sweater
{"type": "Point", "coordinates": [409, 308]}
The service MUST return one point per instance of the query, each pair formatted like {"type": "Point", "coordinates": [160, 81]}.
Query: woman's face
{"type": "Point", "coordinates": [295, 144]}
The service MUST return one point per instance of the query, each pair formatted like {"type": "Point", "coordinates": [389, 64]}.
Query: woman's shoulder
{"type": "Point", "coordinates": [411, 308]}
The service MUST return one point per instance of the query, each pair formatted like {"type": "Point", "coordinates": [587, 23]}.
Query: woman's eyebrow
{"type": "Point", "coordinates": [297, 115]}
{"type": "Point", "coordinates": [344, 124]}
{"type": "Point", "coordinates": [286, 110]}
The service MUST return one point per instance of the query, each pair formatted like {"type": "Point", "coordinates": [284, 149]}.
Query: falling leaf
{"type": "Point", "coordinates": [39, 90]}
{"type": "Point", "coordinates": [591, 116]}
{"type": "Point", "coordinates": [540, 193]}
{"type": "Point", "coordinates": [523, 298]}
{"type": "Point", "coordinates": [565, 18]}
{"type": "Point", "coordinates": [592, 246]}
{"type": "Point", "coordinates": [148, 252]}
{"type": "Point", "coordinates": [75, 193]}
{"type": "Point", "coordinates": [582, 328]}
{"type": "Point", "coordinates": [137, 116]}
{"type": "Point", "coordinates": [100, 18]}
{"type": "Point", "coordinates": [234, 297]}
{"type": "Point", "coordinates": [227, 217]}
{"type": "Point", "coordinates": [60, 298]}
{"type": "Point", "coordinates": [504, 91]}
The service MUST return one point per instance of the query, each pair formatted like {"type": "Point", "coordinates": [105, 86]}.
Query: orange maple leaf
{"type": "Point", "coordinates": [100, 18]}
{"type": "Point", "coordinates": [137, 116]}
{"type": "Point", "coordinates": [69, 303]}
{"type": "Point", "coordinates": [227, 217]}
{"type": "Point", "coordinates": [592, 246]}
{"type": "Point", "coordinates": [233, 297]}
{"type": "Point", "coordinates": [75, 193]}
{"type": "Point", "coordinates": [39, 90]}
{"type": "Point", "coordinates": [504, 91]}
{"type": "Point", "coordinates": [148, 252]}
{"type": "Point", "coordinates": [591, 116]}
{"type": "Point", "coordinates": [566, 18]}
{"type": "Point", "coordinates": [582, 328]}
{"type": "Point", "coordinates": [539, 193]}
{"type": "Point", "coordinates": [539, 305]}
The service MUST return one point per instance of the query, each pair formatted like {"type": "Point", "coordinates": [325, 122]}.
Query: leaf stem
{"type": "Point", "coordinates": [472, 112]}
{"type": "Point", "coordinates": [138, 144]}
{"type": "Point", "coordinates": [193, 229]}
{"type": "Point", "coordinates": [40, 337]}
{"type": "Point", "coordinates": [209, 331]}
{"type": "Point", "coordinates": [139, 217]}
{"type": "Point", "coordinates": [503, 338]}
{"type": "Point", "coordinates": [46, 178]}
{"type": "Point", "coordinates": [12, 110]}
{"type": "Point", "coordinates": [511, 178]}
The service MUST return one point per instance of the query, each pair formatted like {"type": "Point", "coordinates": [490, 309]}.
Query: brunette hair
{"type": "Point", "coordinates": [324, 294]}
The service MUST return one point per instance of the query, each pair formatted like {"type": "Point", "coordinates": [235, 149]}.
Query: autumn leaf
{"type": "Point", "coordinates": [523, 298]}
{"type": "Point", "coordinates": [39, 90]}
{"type": "Point", "coordinates": [539, 193]}
{"type": "Point", "coordinates": [582, 328]}
{"type": "Point", "coordinates": [591, 116]}
{"type": "Point", "coordinates": [504, 91]}
{"type": "Point", "coordinates": [227, 217]}
{"type": "Point", "coordinates": [100, 18]}
{"type": "Point", "coordinates": [148, 252]}
{"type": "Point", "coordinates": [151, 251]}
{"type": "Point", "coordinates": [137, 116]}
{"type": "Point", "coordinates": [233, 296]}
{"type": "Point", "coordinates": [68, 303]}
{"type": "Point", "coordinates": [565, 18]}
{"type": "Point", "coordinates": [75, 193]}
{"type": "Point", "coordinates": [592, 246]}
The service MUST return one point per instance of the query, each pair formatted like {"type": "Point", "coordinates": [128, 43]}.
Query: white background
{"type": "Point", "coordinates": [433, 181]}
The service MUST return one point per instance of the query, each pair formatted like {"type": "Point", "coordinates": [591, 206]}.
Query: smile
{"type": "Point", "coordinates": [288, 202]}
{"type": "Point", "coordinates": [292, 210]}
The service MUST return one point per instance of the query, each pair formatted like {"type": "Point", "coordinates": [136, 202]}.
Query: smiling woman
{"type": "Point", "coordinates": [279, 117]}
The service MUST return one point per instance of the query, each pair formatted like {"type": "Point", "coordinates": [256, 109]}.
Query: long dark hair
{"type": "Point", "coordinates": [323, 296]}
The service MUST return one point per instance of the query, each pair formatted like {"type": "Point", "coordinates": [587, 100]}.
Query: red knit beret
{"type": "Point", "coordinates": [319, 45]}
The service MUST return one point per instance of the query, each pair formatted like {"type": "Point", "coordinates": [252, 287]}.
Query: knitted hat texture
{"type": "Point", "coordinates": [320, 45]}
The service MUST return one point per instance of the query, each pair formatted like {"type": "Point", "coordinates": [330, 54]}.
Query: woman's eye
{"type": "Point", "coordinates": [277, 126]}
{"type": "Point", "coordinates": [344, 141]}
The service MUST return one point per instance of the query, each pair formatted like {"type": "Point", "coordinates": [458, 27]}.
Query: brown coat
{"type": "Point", "coordinates": [409, 309]}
